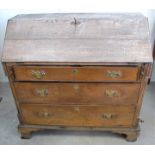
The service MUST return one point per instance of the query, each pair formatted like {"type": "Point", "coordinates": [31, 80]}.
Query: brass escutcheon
{"type": "Point", "coordinates": [44, 114]}
{"type": "Point", "coordinates": [76, 86]}
{"type": "Point", "coordinates": [77, 109]}
{"type": "Point", "coordinates": [75, 71]}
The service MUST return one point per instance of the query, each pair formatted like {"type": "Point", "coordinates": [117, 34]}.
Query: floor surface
{"type": "Point", "coordinates": [10, 135]}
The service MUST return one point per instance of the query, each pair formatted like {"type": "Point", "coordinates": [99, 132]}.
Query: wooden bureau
{"type": "Point", "coordinates": [78, 71]}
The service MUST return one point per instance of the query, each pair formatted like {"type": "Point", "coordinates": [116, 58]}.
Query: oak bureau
{"type": "Point", "coordinates": [78, 71]}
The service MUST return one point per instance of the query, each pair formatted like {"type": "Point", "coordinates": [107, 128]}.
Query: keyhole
{"type": "Point", "coordinates": [75, 21]}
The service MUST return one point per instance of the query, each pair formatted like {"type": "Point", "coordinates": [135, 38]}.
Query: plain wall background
{"type": "Point", "coordinates": [6, 14]}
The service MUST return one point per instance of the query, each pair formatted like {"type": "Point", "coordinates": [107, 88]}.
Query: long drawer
{"type": "Point", "coordinates": [85, 73]}
{"type": "Point", "coordinates": [77, 93]}
{"type": "Point", "coordinates": [84, 116]}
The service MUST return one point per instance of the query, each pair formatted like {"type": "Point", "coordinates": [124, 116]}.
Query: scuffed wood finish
{"type": "Point", "coordinates": [146, 76]}
{"type": "Point", "coordinates": [76, 50]}
{"type": "Point", "coordinates": [26, 132]}
{"type": "Point", "coordinates": [77, 93]}
{"type": "Point", "coordinates": [109, 26]}
{"type": "Point", "coordinates": [86, 116]}
{"type": "Point", "coordinates": [132, 136]}
{"type": "Point", "coordinates": [83, 73]}
{"type": "Point", "coordinates": [77, 38]}
{"type": "Point", "coordinates": [78, 71]}
{"type": "Point", "coordinates": [131, 133]}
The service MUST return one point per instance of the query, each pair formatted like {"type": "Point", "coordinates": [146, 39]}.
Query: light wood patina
{"type": "Point", "coordinates": [78, 71]}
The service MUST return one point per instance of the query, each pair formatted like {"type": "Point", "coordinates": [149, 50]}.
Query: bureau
{"type": "Point", "coordinates": [78, 71]}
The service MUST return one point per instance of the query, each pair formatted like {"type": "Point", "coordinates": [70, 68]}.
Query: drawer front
{"type": "Point", "coordinates": [82, 116]}
{"type": "Point", "coordinates": [89, 73]}
{"type": "Point", "coordinates": [77, 93]}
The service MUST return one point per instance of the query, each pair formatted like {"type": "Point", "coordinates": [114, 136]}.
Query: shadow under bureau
{"type": "Point", "coordinates": [78, 71]}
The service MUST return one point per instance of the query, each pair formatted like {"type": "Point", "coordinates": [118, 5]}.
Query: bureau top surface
{"type": "Point", "coordinates": [77, 38]}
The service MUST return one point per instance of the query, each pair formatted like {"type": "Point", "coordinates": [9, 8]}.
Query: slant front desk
{"type": "Point", "coordinates": [78, 71]}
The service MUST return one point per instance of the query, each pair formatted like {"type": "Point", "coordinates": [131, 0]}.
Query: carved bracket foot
{"type": "Point", "coordinates": [26, 131]}
{"type": "Point", "coordinates": [132, 136]}
{"type": "Point", "coordinates": [130, 133]}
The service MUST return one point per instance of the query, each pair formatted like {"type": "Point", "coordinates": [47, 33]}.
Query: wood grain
{"type": "Point", "coordinates": [57, 65]}
{"type": "Point", "coordinates": [131, 133]}
{"type": "Point", "coordinates": [77, 93]}
{"type": "Point", "coordinates": [78, 115]}
{"type": "Point", "coordinates": [94, 38]}
{"type": "Point", "coordinates": [75, 74]}
{"type": "Point", "coordinates": [76, 50]}
{"type": "Point", "coordinates": [109, 26]}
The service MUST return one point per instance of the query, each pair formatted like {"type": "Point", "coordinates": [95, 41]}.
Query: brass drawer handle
{"type": "Point", "coordinates": [44, 114]}
{"type": "Point", "coordinates": [38, 74]}
{"type": "Point", "coordinates": [75, 71]}
{"type": "Point", "coordinates": [42, 92]}
{"type": "Point", "coordinates": [113, 74]}
{"type": "Point", "coordinates": [111, 93]}
{"type": "Point", "coordinates": [108, 116]}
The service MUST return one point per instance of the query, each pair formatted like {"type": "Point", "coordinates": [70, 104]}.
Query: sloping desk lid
{"type": "Point", "coordinates": [77, 38]}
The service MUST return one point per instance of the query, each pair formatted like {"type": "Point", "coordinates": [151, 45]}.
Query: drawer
{"type": "Point", "coordinates": [84, 116]}
{"type": "Point", "coordinates": [77, 93]}
{"type": "Point", "coordinates": [85, 73]}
